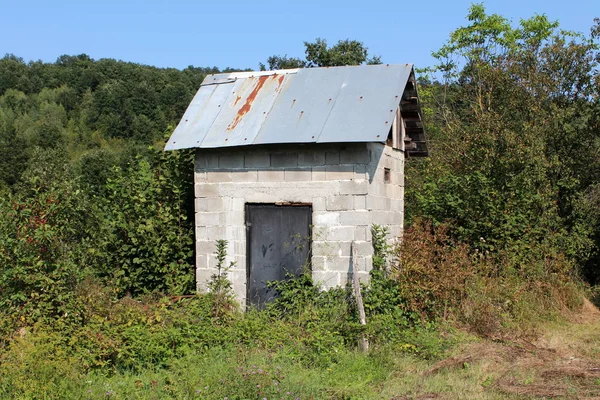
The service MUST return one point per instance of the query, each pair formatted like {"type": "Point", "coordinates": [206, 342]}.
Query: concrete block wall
{"type": "Point", "coordinates": [344, 183]}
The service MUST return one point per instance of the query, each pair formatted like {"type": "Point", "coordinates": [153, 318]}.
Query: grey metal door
{"type": "Point", "coordinates": [278, 240]}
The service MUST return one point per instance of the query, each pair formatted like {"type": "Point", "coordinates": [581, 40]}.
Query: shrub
{"type": "Point", "coordinates": [441, 277]}
{"type": "Point", "coordinates": [46, 237]}
{"type": "Point", "coordinates": [148, 241]}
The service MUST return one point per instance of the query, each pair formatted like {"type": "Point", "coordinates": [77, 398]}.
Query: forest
{"type": "Point", "coordinates": [97, 291]}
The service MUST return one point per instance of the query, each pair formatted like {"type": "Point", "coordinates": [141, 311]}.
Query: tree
{"type": "Point", "coordinates": [345, 52]}
{"type": "Point", "coordinates": [515, 123]}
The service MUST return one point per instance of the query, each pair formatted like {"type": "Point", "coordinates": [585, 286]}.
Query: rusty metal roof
{"type": "Point", "coordinates": [311, 105]}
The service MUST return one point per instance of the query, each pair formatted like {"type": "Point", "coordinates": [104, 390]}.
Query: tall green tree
{"type": "Point", "coordinates": [514, 123]}
{"type": "Point", "coordinates": [319, 54]}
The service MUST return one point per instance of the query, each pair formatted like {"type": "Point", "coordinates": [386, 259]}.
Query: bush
{"type": "Point", "coordinates": [441, 277]}
{"type": "Point", "coordinates": [148, 235]}
{"type": "Point", "coordinates": [46, 239]}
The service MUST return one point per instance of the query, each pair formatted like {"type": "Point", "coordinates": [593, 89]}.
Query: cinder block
{"type": "Point", "coordinates": [238, 276]}
{"type": "Point", "coordinates": [339, 172]}
{"type": "Point", "coordinates": [378, 203]}
{"type": "Point", "coordinates": [340, 264]}
{"type": "Point", "coordinates": [215, 233]}
{"type": "Point", "coordinates": [340, 203]}
{"type": "Point", "coordinates": [319, 204]}
{"type": "Point", "coordinates": [244, 176]}
{"type": "Point", "coordinates": [368, 263]}
{"type": "Point", "coordinates": [370, 233]}
{"type": "Point", "coordinates": [363, 248]}
{"type": "Point", "coordinates": [201, 233]}
{"type": "Point", "coordinates": [209, 218]}
{"type": "Point", "coordinates": [210, 204]}
{"type": "Point", "coordinates": [203, 276]}
{"type": "Point", "coordinates": [354, 187]}
{"type": "Point", "coordinates": [206, 190]}
{"type": "Point", "coordinates": [360, 202]}
{"type": "Point", "coordinates": [359, 264]}
{"type": "Point", "coordinates": [201, 261]}
{"type": "Point", "coordinates": [398, 178]}
{"type": "Point", "coordinates": [239, 247]}
{"type": "Point", "coordinates": [212, 260]}
{"type": "Point", "coordinates": [201, 204]}
{"type": "Point", "coordinates": [319, 263]}
{"type": "Point", "coordinates": [200, 161]}
{"type": "Point", "coordinates": [319, 232]}
{"type": "Point", "coordinates": [212, 161]}
{"type": "Point", "coordinates": [318, 174]}
{"type": "Point", "coordinates": [395, 231]}
{"type": "Point", "coordinates": [271, 175]}
{"type": "Point", "coordinates": [218, 176]}
{"type": "Point", "coordinates": [355, 218]}
{"type": "Point", "coordinates": [200, 177]}
{"type": "Point", "coordinates": [238, 204]}
{"type": "Point", "coordinates": [324, 248]}
{"type": "Point", "coordinates": [284, 159]}
{"type": "Point", "coordinates": [332, 157]}
{"type": "Point", "coordinates": [395, 191]}
{"type": "Point", "coordinates": [398, 218]}
{"type": "Point", "coordinates": [257, 160]}
{"type": "Point", "coordinates": [360, 233]}
{"type": "Point", "coordinates": [326, 218]}
{"type": "Point", "coordinates": [361, 172]}
{"type": "Point", "coordinates": [310, 158]}
{"type": "Point", "coordinates": [355, 156]}
{"type": "Point", "coordinates": [236, 232]}
{"type": "Point", "coordinates": [205, 247]}
{"type": "Point", "coordinates": [341, 233]}
{"type": "Point", "coordinates": [239, 262]}
{"type": "Point", "coordinates": [327, 279]}
{"type": "Point", "coordinates": [294, 175]}
{"type": "Point", "coordinates": [385, 217]}
{"type": "Point", "coordinates": [231, 160]}
{"type": "Point", "coordinates": [397, 205]}
{"type": "Point", "coordinates": [363, 277]}
{"type": "Point", "coordinates": [378, 188]}
{"type": "Point", "coordinates": [234, 218]}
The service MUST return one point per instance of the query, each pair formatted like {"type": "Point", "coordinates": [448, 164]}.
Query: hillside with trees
{"type": "Point", "coordinates": [97, 291]}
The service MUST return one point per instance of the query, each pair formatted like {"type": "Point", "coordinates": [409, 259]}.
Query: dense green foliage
{"type": "Point", "coordinates": [318, 54]}
{"type": "Point", "coordinates": [514, 126]}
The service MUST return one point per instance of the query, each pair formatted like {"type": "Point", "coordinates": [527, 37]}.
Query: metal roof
{"type": "Point", "coordinates": [309, 105]}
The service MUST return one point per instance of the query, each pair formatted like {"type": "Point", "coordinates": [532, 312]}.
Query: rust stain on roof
{"type": "Point", "coordinates": [248, 104]}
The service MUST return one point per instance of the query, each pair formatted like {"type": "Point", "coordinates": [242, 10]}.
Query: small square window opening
{"type": "Point", "coordinates": [387, 175]}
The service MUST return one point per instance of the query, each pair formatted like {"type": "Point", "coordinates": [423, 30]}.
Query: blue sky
{"type": "Point", "coordinates": [241, 34]}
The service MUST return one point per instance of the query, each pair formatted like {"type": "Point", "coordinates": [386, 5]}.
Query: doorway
{"type": "Point", "coordinates": [278, 244]}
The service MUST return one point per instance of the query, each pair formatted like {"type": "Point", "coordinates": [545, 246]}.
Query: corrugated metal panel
{"type": "Point", "coordinates": [325, 105]}
{"type": "Point", "coordinates": [245, 111]}
{"type": "Point", "coordinates": [303, 107]}
{"type": "Point", "coordinates": [366, 104]}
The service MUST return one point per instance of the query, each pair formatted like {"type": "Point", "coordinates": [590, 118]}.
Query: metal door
{"type": "Point", "coordinates": [278, 243]}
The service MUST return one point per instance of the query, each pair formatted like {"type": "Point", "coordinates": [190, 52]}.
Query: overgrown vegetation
{"type": "Point", "coordinates": [96, 233]}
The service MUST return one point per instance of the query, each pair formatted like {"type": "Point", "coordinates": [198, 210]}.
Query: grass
{"type": "Point", "coordinates": [560, 363]}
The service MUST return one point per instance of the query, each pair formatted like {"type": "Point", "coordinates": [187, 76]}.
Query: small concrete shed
{"type": "Point", "coordinates": [293, 166]}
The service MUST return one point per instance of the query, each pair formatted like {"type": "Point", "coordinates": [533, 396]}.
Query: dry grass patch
{"type": "Point", "coordinates": [562, 363]}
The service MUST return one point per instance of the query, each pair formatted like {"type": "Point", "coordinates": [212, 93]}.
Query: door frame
{"type": "Point", "coordinates": [247, 206]}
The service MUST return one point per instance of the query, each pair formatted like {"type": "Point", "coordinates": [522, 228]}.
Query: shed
{"type": "Point", "coordinates": [293, 166]}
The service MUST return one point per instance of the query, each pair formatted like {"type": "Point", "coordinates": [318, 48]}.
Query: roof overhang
{"type": "Point", "coordinates": [311, 105]}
